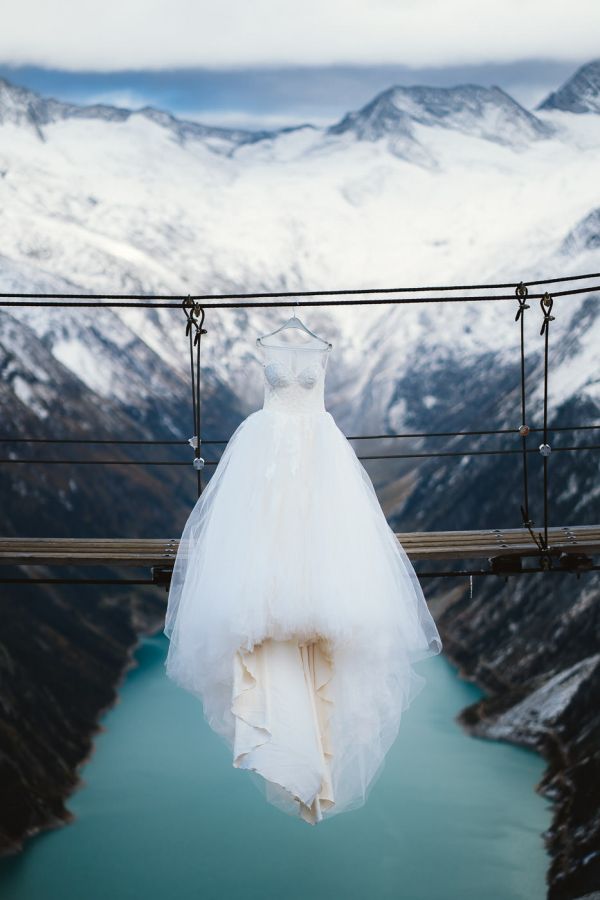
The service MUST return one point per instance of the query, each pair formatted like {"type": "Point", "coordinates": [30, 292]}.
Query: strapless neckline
{"type": "Point", "coordinates": [294, 385]}
{"type": "Point", "coordinates": [284, 374]}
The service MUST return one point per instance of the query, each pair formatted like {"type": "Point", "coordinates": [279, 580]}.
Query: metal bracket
{"type": "Point", "coordinates": [506, 565]}
{"type": "Point", "coordinates": [575, 562]}
{"type": "Point", "coordinates": [162, 575]}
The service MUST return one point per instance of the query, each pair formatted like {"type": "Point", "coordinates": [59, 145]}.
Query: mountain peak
{"type": "Point", "coordinates": [580, 94]}
{"type": "Point", "coordinates": [20, 106]}
{"type": "Point", "coordinates": [483, 112]}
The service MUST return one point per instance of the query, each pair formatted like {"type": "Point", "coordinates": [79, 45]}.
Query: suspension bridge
{"type": "Point", "coordinates": [501, 552]}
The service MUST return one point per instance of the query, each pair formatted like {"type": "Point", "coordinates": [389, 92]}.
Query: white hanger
{"type": "Point", "coordinates": [294, 322]}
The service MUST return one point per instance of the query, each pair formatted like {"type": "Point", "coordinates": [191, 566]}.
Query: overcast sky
{"type": "Point", "coordinates": [154, 34]}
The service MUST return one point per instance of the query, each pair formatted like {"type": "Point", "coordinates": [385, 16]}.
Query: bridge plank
{"type": "Point", "coordinates": [441, 545]}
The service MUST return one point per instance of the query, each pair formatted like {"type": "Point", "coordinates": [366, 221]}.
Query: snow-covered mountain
{"type": "Point", "coordinates": [20, 106]}
{"type": "Point", "coordinates": [487, 113]}
{"type": "Point", "coordinates": [475, 188]}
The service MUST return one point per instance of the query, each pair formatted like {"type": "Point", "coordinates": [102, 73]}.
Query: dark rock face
{"type": "Point", "coordinates": [580, 94]}
{"type": "Point", "coordinates": [533, 642]}
{"type": "Point", "coordinates": [61, 661]}
{"type": "Point", "coordinates": [65, 648]}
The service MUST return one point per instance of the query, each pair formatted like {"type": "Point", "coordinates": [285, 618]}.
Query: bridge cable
{"type": "Point", "coordinates": [521, 294]}
{"type": "Point", "coordinates": [195, 315]}
{"type": "Point", "coordinates": [272, 298]}
{"type": "Point", "coordinates": [546, 304]}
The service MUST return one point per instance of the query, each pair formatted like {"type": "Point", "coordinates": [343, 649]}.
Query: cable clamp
{"type": "Point", "coordinates": [521, 294]}
{"type": "Point", "coordinates": [528, 524]}
{"type": "Point", "coordinates": [546, 304]}
{"type": "Point", "coordinates": [195, 315]}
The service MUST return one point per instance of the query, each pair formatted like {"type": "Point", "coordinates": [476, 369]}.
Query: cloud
{"type": "Point", "coordinates": [107, 35]}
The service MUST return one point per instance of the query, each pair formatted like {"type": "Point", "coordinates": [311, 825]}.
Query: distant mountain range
{"type": "Point", "coordinates": [421, 186]}
{"type": "Point", "coordinates": [485, 112]}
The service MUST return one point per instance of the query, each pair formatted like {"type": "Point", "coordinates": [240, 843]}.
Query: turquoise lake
{"type": "Point", "coordinates": [162, 813]}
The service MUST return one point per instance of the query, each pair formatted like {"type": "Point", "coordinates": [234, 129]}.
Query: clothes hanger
{"type": "Point", "coordinates": [294, 322]}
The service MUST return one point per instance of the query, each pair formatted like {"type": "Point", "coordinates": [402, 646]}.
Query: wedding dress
{"type": "Point", "coordinates": [294, 613]}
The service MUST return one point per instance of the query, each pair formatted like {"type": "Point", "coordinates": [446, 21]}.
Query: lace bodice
{"type": "Point", "coordinates": [294, 378]}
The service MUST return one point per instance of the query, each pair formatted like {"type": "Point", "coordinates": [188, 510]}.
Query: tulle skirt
{"type": "Point", "coordinates": [295, 615]}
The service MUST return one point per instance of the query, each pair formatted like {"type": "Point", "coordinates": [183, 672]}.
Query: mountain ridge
{"type": "Point", "coordinates": [20, 105]}
{"type": "Point", "coordinates": [391, 113]}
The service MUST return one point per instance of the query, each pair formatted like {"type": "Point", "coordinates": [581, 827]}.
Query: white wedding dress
{"type": "Point", "coordinates": [293, 613]}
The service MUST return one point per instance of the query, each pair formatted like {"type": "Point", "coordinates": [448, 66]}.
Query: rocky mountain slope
{"type": "Point", "coordinates": [580, 94]}
{"type": "Point", "coordinates": [531, 642]}
{"type": "Point", "coordinates": [60, 667]}
{"type": "Point", "coordinates": [421, 186]}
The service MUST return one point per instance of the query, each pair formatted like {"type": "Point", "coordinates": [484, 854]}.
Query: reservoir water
{"type": "Point", "coordinates": [163, 814]}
